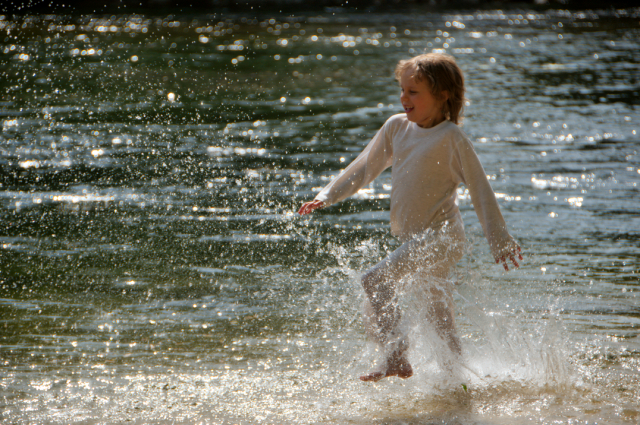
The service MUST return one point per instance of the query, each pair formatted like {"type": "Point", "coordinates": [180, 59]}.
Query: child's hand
{"type": "Point", "coordinates": [511, 256]}
{"type": "Point", "coordinates": [308, 207]}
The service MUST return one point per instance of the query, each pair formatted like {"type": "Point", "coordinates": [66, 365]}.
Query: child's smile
{"type": "Point", "coordinates": [420, 105]}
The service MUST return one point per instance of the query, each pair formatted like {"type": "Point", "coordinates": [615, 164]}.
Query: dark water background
{"type": "Point", "coordinates": [152, 268]}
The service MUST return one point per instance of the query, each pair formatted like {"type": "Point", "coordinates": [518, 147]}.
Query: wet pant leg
{"type": "Point", "coordinates": [425, 260]}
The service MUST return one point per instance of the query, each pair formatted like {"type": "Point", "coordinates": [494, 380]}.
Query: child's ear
{"type": "Point", "coordinates": [444, 95]}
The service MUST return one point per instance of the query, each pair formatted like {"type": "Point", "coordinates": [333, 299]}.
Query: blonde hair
{"type": "Point", "coordinates": [440, 72]}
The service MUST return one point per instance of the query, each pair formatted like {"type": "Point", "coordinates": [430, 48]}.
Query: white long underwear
{"type": "Point", "coordinates": [428, 165]}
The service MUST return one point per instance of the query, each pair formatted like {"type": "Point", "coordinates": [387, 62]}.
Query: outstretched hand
{"type": "Point", "coordinates": [309, 207]}
{"type": "Point", "coordinates": [511, 256]}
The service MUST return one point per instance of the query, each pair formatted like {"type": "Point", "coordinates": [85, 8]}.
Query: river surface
{"type": "Point", "coordinates": [153, 268]}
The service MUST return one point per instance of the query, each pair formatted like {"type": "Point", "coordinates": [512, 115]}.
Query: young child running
{"type": "Point", "coordinates": [430, 156]}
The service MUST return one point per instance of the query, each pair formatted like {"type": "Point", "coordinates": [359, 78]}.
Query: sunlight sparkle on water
{"type": "Point", "coordinates": [155, 268]}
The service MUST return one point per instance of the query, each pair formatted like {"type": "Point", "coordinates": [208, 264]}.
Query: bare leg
{"type": "Point", "coordinates": [382, 318]}
{"type": "Point", "coordinates": [396, 364]}
{"type": "Point", "coordinates": [395, 361]}
{"type": "Point", "coordinates": [381, 294]}
{"type": "Point", "coordinates": [441, 314]}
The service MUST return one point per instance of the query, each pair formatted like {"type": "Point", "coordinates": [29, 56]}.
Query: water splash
{"type": "Point", "coordinates": [153, 269]}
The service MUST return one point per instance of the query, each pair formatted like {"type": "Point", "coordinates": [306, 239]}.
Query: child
{"type": "Point", "coordinates": [430, 156]}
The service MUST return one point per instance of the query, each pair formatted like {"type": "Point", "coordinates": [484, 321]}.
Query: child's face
{"type": "Point", "coordinates": [421, 106]}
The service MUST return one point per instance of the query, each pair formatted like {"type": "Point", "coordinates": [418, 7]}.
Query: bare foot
{"type": "Point", "coordinates": [396, 365]}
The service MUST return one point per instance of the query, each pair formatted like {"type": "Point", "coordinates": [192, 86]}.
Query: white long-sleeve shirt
{"type": "Point", "coordinates": [428, 164]}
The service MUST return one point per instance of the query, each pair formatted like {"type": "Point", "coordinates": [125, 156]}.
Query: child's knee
{"type": "Point", "coordinates": [372, 280]}
{"type": "Point", "coordinates": [368, 281]}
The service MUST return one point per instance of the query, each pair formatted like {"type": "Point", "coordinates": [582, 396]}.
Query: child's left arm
{"type": "Point", "coordinates": [503, 246]}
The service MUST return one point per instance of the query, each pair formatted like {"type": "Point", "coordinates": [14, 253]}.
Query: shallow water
{"type": "Point", "coordinates": [153, 269]}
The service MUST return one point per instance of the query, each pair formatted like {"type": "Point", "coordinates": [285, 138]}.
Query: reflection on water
{"type": "Point", "coordinates": [153, 269]}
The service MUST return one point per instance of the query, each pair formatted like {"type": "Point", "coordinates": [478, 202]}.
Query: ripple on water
{"type": "Point", "coordinates": [153, 269]}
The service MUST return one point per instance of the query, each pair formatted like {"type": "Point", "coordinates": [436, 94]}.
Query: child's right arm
{"type": "Point", "coordinates": [372, 161]}
{"type": "Point", "coordinates": [308, 207]}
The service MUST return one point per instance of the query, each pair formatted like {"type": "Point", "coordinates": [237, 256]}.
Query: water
{"type": "Point", "coordinates": [153, 269]}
